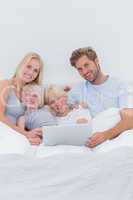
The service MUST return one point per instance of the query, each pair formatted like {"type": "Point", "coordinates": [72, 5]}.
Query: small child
{"type": "Point", "coordinates": [36, 115]}
{"type": "Point", "coordinates": [56, 99]}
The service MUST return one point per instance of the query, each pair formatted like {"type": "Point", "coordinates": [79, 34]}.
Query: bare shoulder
{"type": "Point", "coordinates": [4, 87]}
{"type": "Point", "coordinates": [4, 83]}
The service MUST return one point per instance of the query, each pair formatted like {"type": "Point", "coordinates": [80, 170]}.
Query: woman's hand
{"type": "Point", "coordinates": [96, 139]}
{"type": "Point", "coordinates": [37, 131]}
{"type": "Point", "coordinates": [35, 140]}
{"type": "Point", "coordinates": [35, 136]}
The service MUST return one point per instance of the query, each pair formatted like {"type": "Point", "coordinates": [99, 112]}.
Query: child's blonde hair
{"type": "Point", "coordinates": [39, 90]}
{"type": "Point", "coordinates": [53, 92]}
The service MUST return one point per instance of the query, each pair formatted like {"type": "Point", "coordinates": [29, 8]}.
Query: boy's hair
{"type": "Point", "coordinates": [39, 90]}
{"type": "Point", "coordinates": [53, 92]}
{"type": "Point", "coordinates": [78, 53]}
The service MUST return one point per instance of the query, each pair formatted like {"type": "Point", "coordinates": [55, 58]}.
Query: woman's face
{"type": "Point", "coordinates": [29, 72]}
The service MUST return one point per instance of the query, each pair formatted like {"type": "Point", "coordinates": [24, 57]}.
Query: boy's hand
{"type": "Point", "coordinates": [82, 121]}
{"type": "Point", "coordinates": [67, 88]}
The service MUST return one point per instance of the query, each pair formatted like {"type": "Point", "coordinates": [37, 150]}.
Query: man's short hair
{"type": "Point", "coordinates": [78, 53]}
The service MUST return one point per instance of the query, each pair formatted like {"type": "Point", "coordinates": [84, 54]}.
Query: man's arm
{"type": "Point", "coordinates": [125, 94]}
{"type": "Point", "coordinates": [124, 124]}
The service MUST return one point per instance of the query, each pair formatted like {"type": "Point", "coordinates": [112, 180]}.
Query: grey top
{"type": "Point", "coordinates": [14, 108]}
{"type": "Point", "coordinates": [39, 118]}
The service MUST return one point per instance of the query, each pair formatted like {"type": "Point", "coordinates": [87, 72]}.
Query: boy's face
{"type": "Point", "coordinates": [59, 106]}
{"type": "Point", "coordinates": [30, 99]}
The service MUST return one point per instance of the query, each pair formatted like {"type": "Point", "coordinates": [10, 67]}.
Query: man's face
{"type": "Point", "coordinates": [87, 68]}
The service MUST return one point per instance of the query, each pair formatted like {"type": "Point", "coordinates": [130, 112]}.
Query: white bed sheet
{"type": "Point", "coordinates": [124, 140]}
{"type": "Point", "coordinates": [73, 174]}
{"type": "Point", "coordinates": [68, 172]}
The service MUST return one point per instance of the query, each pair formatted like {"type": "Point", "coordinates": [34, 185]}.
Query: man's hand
{"type": "Point", "coordinates": [127, 117]}
{"type": "Point", "coordinates": [96, 139]}
{"type": "Point", "coordinates": [126, 113]}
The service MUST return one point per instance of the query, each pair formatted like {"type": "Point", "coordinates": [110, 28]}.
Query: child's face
{"type": "Point", "coordinates": [59, 106]}
{"type": "Point", "coordinates": [30, 99]}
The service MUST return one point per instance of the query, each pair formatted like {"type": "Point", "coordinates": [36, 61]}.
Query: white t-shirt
{"type": "Point", "coordinates": [74, 115]}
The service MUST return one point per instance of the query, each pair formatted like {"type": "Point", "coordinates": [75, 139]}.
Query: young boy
{"type": "Point", "coordinates": [56, 99]}
{"type": "Point", "coordinates": [36, 115]}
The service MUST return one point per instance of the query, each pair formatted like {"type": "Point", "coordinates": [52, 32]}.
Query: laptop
{"type": "Point", "coordinates": [66, 134]}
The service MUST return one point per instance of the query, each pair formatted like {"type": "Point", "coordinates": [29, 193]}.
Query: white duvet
{"type": "Point", "coordinates": [69, 175]}
{"type": "Point", "coordinates": [66, 172]}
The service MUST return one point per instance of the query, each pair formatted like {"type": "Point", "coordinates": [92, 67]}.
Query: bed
{"type": "Point", "coordinates": [66, 172]}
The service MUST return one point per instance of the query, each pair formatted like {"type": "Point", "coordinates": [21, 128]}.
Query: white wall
{"type": "Point", "coordinates": [53, 28]}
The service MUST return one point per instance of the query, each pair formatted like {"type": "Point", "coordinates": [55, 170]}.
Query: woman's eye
{"type": "Point", "coordinates": [36, 70]}
{"type": "Point", "coordinates": [26, 94]}
{"type": "Point", "coordinates": [29, 66]}
{"type": "Point", "coordinates": [35, 96]}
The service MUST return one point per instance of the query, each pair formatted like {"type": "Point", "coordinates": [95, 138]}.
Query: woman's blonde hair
{"type": "Point", "coordinates": [53, 92]}
{"type": "Point", "coordinates": [37, 89]}
{"type": "Point", "coordinates": [25, 61]}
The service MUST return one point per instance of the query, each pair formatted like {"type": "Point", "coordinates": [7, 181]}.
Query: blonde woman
{"type": "Point", "coordinates": [30, 70]}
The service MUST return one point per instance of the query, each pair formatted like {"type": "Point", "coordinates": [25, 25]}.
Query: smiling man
{"type": "Point", "coordinates": [100, 92]}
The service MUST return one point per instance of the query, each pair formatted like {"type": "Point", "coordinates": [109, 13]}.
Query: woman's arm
{"type": "Point", "coordinates": [21, 122]}
{"type": "Point", "coordinates": [4, 86]}
{"type": "Point", "coordinates": [4, 92]}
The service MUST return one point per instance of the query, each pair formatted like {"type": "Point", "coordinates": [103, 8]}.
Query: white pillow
{"type": "Point", "coordinates": [12, 141]}
{"type": "Point", "coordinates": [123, 140]}
{"type": "Point", "coordinates": [105, 120]}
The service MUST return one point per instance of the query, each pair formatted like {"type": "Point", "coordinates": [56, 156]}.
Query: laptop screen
{"type": "Point", "coordinates": [66, 134]}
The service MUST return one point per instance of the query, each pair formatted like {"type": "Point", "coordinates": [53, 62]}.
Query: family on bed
{"type": "Point", "coordinates": [26, 106]}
